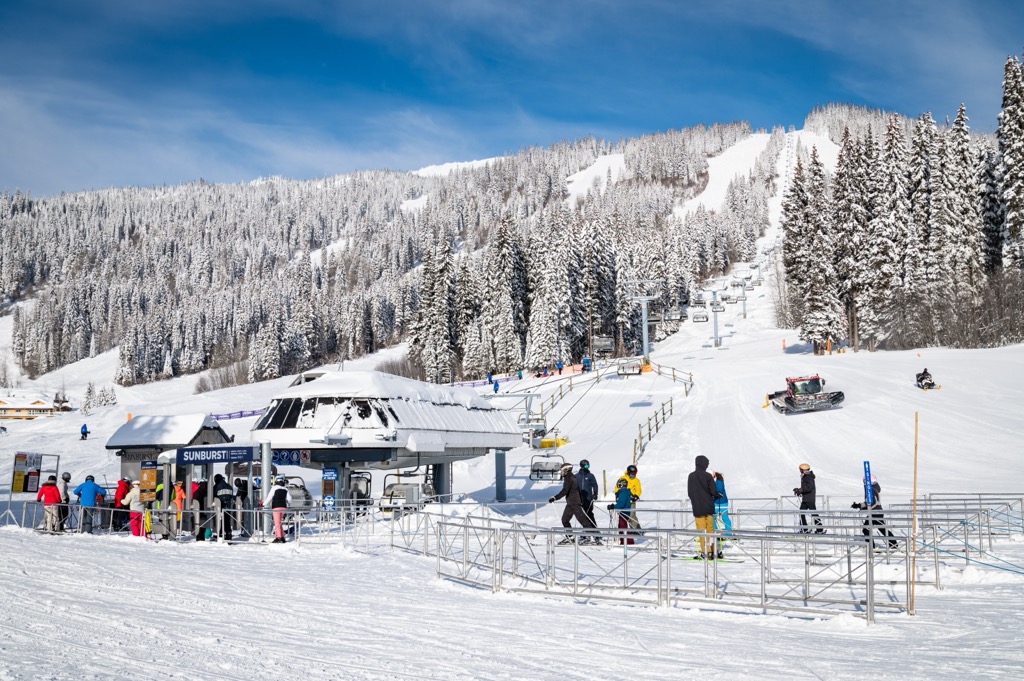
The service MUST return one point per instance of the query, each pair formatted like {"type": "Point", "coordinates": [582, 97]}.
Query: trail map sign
{"type": "Point", "coordinates": [27, 467]}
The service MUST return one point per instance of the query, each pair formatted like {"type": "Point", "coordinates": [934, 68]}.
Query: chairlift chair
{"type": "Point", "coordinates": [546, 466]}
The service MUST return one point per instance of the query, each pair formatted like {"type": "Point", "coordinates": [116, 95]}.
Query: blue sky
{"type": "Point", "coordinates": [129, 92]}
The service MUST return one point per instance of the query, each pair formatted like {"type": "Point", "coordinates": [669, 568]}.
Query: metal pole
{"type": "Point", "coordinates": [499, 475]}
{"type": "Point", "coordinates": [267, 461]}
{"type": "Point", "coordinates": [714, 315]}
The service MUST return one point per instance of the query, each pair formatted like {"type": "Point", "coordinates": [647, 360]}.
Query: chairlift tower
{"type": "Point", "coordinates": [642, 297]}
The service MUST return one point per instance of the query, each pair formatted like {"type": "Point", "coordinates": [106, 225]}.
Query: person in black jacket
{"type": "Point", "coordinates": [573, 508]}
{"type": "Point", "coordinates": [877, 518]}
{"type": "Point", "coordinates": [199, 509]}
{"type": "Point", "coordinates": [808, 492]}
{"type": "Point", "coordinates": [587, 484]}
{"type": "Point", "coordinates": [224, 504]}
{"type": "Point", "coordinates": [700, 487]}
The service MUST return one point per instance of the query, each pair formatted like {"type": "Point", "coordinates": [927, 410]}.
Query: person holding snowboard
{"type": "Point", "coordinates": [623, 498]}
{"type": "Point", "coordinates": [807, 492]}
{"type": "Point", "coordinates": [876, 518]}
{"type": "Point", "coordinates": [722, 521]}
{"type": "Point", "coordinates": [700, 487]}
{"type": "Point", "coordinates": [573, 508]}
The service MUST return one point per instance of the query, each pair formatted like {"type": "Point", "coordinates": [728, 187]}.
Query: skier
{"type": "Point", "coordinates": [924, 380]}
{"type": "Point", "coordinates": [120, 515]}
{"type": "Point", "coordinates": [622, 502]}
{"type": "Point", "coordinates": [50, 496]}
{"type": "Point", "coordinates": [65, 500]}
{"type": "Point", "coordinates": [807, 491]}
{"type": "Point", "coordinates": [700, 487]}
{"type": "Point", "coordinates": [570, 491]}
{"type": "Point", "coordinates": [635, 490]}
{"type": "Point", "coordinates": [133, 500]}
{"type": "Point", "coordinates": [85, 432]}
{"type": "Point", "coordinates": [587, 483]}
{"type": "Point", "coordinates": [877, 518]}
{"type": "Point", "coordinates": [224, 498]}
{"type": "Point", "coordinates": [90, 495]}
{"type": "Point", "coordinates": [278, 500]}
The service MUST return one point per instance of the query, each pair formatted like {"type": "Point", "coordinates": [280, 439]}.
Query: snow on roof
{"type": "Point", "coordinates": [161, 431]}
{"type": "Point", "coordinates": [381, 385]}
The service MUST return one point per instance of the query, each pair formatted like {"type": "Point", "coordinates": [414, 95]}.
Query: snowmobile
{"type": "Point", "coordinates": [926, 382]}
{"type": "Point", "coordinates": [804, 394]}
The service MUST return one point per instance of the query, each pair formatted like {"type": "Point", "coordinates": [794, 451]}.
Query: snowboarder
{"type": "Point", "coordinates": [635, 489]}
{"type": "Point", "coordinates": [808, 492]}
{"type": "Point", "coordinates": [722, 520]}
{"type": "Point", "coordinates": [495, 386]}
{"type": "Point", "coordinates": [559, 365]}
{"type": "Point", "coordinates": [924, 380]}
{"type": "Point", "coordinates": [50, 496]}
{"type": "Point", "coordinates": [90, 495]}
{"type": "Point", "coordinates": [587, 483]}
{"type": "Point", "coordinates": [571, 493]}
{"type": "Point", "coordinates": [622, 502]}
{"type": "Point", "coordinates": [85, 432]}
{"type": "Point", "coordinates": [876, 518]}
{"type": "Point", "coordinates": [700, 487]}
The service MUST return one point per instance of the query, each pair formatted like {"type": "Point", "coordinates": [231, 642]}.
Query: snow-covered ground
{"type": "Point", "coordinates": [102, 607]}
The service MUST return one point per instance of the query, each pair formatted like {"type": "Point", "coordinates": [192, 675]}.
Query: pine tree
{"type": "Point", "coordinates": [1010, 134]}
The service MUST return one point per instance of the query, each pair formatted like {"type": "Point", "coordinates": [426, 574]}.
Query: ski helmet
{"type": "Point", "coordinates": [65, 476]}
{"type": "Point", "coordinates": [631, 469]}
{"type": "Point", "coordinates": [566, 468]}
{"type": "Point", "coordinates": [584, 464]}
{"type": "Point", "coordinates": [621, 482]}
{"type": "Point", "coordinates": [805, 466]}
{"type": "Point", "coordinates": [90, 478]}
{"type": "Point", "coordinates": [279, 480]}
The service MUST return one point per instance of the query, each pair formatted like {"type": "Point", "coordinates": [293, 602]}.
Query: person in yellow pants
{"type": "Point", "coordinates": [700, 487]}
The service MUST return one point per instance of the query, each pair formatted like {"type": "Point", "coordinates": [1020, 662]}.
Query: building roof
{"type": "Point", "coordinates": [162, 432]}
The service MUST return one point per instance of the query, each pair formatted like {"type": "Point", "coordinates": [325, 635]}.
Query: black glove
{"type": "Point", "coordinates": [855, 505]}
{"type": "Point", "coordinates": [796, 490]}
{"type": "Point", "coordinates": [551, 500]}
{"type": "Point", "coordinates": [634, 498]}
{"type": "Point", "coordinates": [611, 506]}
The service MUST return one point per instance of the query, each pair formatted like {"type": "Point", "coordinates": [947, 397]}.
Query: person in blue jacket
{"type": "Point", "coordinates": [89, 496]}
{"type": "Point", "coordinates": [85, 432]}
{"type": "Point", "coordinates": [623, 502]}
{"type": "Point", "coordinates": [722, 521]}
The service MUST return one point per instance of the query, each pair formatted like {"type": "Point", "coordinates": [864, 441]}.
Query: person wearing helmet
{"type": "Point", "coordinates": [877, 518]}
{"type": "Point", "coordinates": [50, 496]}
{"type": "Point", "coordinates": [278, 498]}
{"type": "Point", "coordinates": [807, 491]}
{"type": "Point", "coordinates": [587, 483]}
{"type": "Point", "coordinates": [623, 499]}
{"type": "Point", "coordinates": [89, 496]}
{"type": "Point", "coordinates": [635, 489]}
{"type": "Point", "coordinates": [65, 500]}
{"type": "Point", "coordinates": [120, 514]}
{"type": "Point", "coordinates": [573, 508]}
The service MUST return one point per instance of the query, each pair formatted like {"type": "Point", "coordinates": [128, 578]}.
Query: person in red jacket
{"type": "Point", "coordinates": [124, 485]}
{"type": "Point", "coordinates": [50, 496]}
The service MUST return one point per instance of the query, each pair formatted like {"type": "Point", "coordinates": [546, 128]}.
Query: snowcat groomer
{"type": "Point", "coordinates": [804, 394]}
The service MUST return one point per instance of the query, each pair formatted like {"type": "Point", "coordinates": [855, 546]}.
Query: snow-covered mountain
{"type": "Point", "coordinates": [99, 606]}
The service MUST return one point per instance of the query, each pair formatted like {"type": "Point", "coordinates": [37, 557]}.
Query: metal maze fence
{"type": "Point", "coordinates": [818, 574]}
